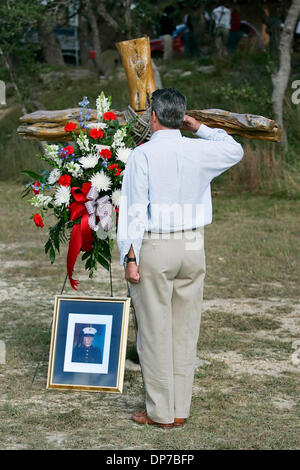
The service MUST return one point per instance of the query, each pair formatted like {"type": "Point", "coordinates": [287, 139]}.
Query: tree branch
{"type": "Point", "coordinates": [101, 9]}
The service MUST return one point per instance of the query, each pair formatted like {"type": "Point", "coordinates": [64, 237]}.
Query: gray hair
{"type": "Point", "coordinates": [169, 106]}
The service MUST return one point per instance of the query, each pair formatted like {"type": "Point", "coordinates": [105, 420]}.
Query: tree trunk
{"type": "Point", "coordinates": [157, 77]}
{"type": "Point", "coordinates": [50, 44]}
{"type": "Point", "coordinates": [127, 15]}
{"type": "Point", "coordinates": [96, 38]}
{"type": "Point", "coordinates": [281, 77]}
{"type": "Point", "coordinates": [85, 58]}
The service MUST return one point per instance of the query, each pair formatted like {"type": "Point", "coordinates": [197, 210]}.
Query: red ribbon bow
{"type": "Point", "coordinates": [81, 236]}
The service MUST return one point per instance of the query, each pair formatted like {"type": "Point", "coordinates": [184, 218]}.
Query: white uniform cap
{"type": "Point", "coordinates": [89, 331]}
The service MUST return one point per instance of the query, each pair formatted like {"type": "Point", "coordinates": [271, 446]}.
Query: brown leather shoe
{"type": "Point", "coordinates": [142, 418]}
{"type": "Point", "coordinates": [179, 421]}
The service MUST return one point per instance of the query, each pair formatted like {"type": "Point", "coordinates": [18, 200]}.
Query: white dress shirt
{"type": "Point", "coordinates": [166, 183]}
{"type": "Point", "coordinates": [222, 17]}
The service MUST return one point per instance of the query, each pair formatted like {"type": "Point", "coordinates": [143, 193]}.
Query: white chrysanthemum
{"type": "Point", "coordinates": [39, 200]}
{"type": "Point", "coordinates": [118, 138]}
{"type": "Point", "coordinates": [123, 154]}
{"type": "Point", "coordinates": [62, 196]}
{"type": "Point", "coordinates": [96, 125]}
{"type": "Point", "coordinates": [115, 197]}
{"type": "Point", "coordinates": [54, 175]}
{"type": "Point", "coordinates": [51, 153]}
{"type": "Point", "coordinates": [101, 181]}
{"type": "Point", "coordinates": [103, 105]}
{"type": "Point", "coordinates": [83, 143]}
{"type": "Point", "coordinates": [75, 169]}
{"type": "Point", "coordinates": [90, 161]}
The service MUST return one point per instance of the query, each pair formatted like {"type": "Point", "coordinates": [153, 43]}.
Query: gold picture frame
{"type": "Point", "coordinates": [88, 343]}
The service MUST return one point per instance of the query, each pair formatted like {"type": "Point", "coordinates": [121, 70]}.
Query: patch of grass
{"type": "Point", "coordinates": [59, 421]}
{"type": "Point", "coordinates": [244, 322]}
{"type": "Point", "coordinates": [252, 254]}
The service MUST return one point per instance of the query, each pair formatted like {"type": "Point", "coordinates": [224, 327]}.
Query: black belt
{"type": "Point", "coordinates": [176, 231]}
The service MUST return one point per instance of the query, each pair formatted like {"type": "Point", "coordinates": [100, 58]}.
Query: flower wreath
{"type": "Point", "coordinates": [83, 189]}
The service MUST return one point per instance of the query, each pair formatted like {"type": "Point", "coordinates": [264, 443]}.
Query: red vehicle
{"type": "Point", "coordinates": [250, 35]}
{"type": "Point", "coordinates": [157, 45]}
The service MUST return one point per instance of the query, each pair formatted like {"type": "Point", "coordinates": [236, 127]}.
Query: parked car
{"type": "Point", "coordinates": [68, 39]}
{"type": "Point", "coordinates": [250, 34]}
{"type": "Point", "coordinates": [157, 45]}
{"type": "Point", "coordinates": [249, 31]}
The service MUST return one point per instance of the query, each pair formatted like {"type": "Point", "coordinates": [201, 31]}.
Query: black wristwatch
{"type": "Point", "coordinates": [130, 260]}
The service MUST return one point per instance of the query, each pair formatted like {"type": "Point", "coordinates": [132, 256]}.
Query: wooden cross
{"type": "Point", "coordinates": [136, 59]}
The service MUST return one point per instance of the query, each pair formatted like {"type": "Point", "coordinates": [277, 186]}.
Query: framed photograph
{"type": "Point", "coordinates": [88, 343]}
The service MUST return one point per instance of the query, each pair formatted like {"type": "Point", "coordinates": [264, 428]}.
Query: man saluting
{"type": "Point", "coordinates": [165, 204]}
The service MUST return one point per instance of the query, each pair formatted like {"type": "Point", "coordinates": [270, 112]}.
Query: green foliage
{"type": "Point", "coordinates": [101, 254]}
{"type": "Point", "coordinates": [245, 92]}
{"type": "Point", "coordinates": [57, 234]}
{"type": "Point", "coordinates": [16, 19]}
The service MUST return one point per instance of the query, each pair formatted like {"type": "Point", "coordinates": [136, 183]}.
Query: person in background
{"type": "Point", "coordinates": [189, 37]}
{"type": "Point", "coordinates": [273, 23]}
{"type": "Point", "coordinates": [221, 16]}
{"type": "Point", "coordinates": [235, 33]}
{"type": "Point", "coordinates": [166, 31]}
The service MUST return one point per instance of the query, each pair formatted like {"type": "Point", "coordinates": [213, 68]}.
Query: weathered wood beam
{"type": "Point", "coordinates": [49, 125]}
{"type": "Point", "coordinates": [250, 126]}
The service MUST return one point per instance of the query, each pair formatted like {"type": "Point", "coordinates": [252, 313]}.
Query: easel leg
{"type": "Point", "coordinates": [110, 278]}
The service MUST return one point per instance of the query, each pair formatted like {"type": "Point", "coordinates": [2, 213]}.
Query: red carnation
{"type": "Point", "coordinates": [38, 220]}
{"type": "Point", "coordinates": [70, 126]}
{"type": "Point", "coordinates": [116, 169]}
{"type": "Point", "coordinates": [68, 150]}
{"type": "Point", "coordinates": [105, 153]}
{"type": "Point", "coordinates": [109, 116]}
{"type": "Point", "coordinates": [86, 188]}
{"type": "Point", "coordinates": [96, 133]}
{"type": "Point", "coordinates": [35, 187]}
{"type": "Point", "coordinates": [65, 180]}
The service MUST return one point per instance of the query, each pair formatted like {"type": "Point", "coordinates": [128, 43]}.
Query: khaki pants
{"type": "Point", "coordinates": [221, 39]}
{"type": "Point", "coordinates": [167, 302]}
{"type": "Point", "coordinates": [168, 47]}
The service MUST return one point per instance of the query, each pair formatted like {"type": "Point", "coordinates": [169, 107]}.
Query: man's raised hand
{"type": "Point", "coordinates": [190, 124]}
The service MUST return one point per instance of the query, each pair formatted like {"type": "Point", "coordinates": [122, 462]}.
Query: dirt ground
{"type": "Point", "coordinates": [246, 389]}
